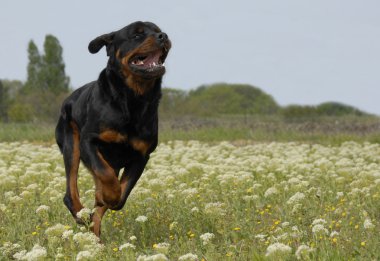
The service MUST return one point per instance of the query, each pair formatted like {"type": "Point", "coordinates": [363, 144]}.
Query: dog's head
{"type": "Point", "coordinates": [137, 51]}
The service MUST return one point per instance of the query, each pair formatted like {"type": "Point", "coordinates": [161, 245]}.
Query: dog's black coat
{"type": "Point", "coordinates": [112, 123]}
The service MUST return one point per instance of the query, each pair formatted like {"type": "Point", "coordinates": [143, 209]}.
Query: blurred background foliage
{"type": "Point", "coordinates": [30, 109]}
{"type": "Point", "coordinates": [39, 98]}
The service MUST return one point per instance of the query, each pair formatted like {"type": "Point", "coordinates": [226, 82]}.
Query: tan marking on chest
{"type": "Point", "coordinates": [112, 136]}
{"type": "Point", "coordinates": [140, 145]}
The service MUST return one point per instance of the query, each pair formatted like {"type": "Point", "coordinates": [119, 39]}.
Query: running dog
{"type": "Point", "coordinates": [111, 124]}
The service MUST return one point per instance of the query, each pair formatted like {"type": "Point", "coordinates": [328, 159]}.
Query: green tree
{"type": "Point", "coordinates": [52, 75]}
{"type": "Point", "coordinates": [33, 81]}
{"type": "Point", "coordinates": [46, 85]}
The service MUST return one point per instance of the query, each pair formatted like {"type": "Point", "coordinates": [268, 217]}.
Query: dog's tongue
{"type": "Point", "coordinates": [152, 59]}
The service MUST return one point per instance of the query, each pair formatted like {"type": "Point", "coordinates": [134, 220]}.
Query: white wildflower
{"type": "Point", "coordinates": [32, 186]}
{"type": "Point", "coordinates": [19, 255]}
{"type": "Point", "coordinates": [215, 208]}
{"type": "Point", "coordinates": [3, 207]}
{"type": "Point", "coordinates": [25, 194]}
{"type": "Point", "coordinates": [9, 249]}
{"type": "Point", "coordinates": [37, 252]}
{"type": "Point", "coordinates": [42, 208]}
{"type": "Point", "coordinates": [194, 210]}
{"type": "Point", "coordinates": [9, 194]}
{"type": "Point", "coordinates": [162, 248]}
{"type": "Point", "coordinates": [157, 257]}
{"type": "Point", "coordinates": [294, 180]}
{"type": "Point", "coordinates": [206, 238]}
{"type": "Point", "coordinates": [296, 198]}
{"type": "Point", "coordinates": [334, 234]}
{"type": "Point", "coordinates": [296, 208]}
{"type": "Point", "coordinates": [278, 249]}
{"type": "Point", "coordinates": [67, 234]}
{"type": "Point", "coordinates": [84, 255]}
{"type": "Point", "coordinates": [86, 238]}
{"type": "Point", "coordinates": [261, 237]}
{"type": "Point", "coordinates": [270, 191]}
{"type": "Point", "coordinates": [141, 219]}
{"type": "Point", "coordinates": [15, 199]}
{"type": "Point", "coordinates": [368, 224]}
{"type": "Point", "coordinates": [133, 238]}
{"type": "Point", "coordinates": [303, 252]}
{"type": "Point", "coordinates": [56, 230]}
{"type": "Point", "coordinates": [84, 214]}
{"type": "Point", "coordinates": [319, 221]}
{"type": "Point", "coordinates": [339, 195]}
{"type": "Point", "coordinates": [296, 233]}
{"type": "Point", "coordinates": [188, 257]}
{"type": "Point", "coordinates": [127, 246]}
{"type": "Point", "coordinates": [250, 198]}
{"type": "Point", "coordinates": [285, 224]}
{"type": "Point", "coordinates": [319, 229]}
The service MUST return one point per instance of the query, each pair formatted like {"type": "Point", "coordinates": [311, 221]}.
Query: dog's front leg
{"type": "Point", "coordinates": [107, 185]}
{"type": "Point", "coordinates": [131, 175]}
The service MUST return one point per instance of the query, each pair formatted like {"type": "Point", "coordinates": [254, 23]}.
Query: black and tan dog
{"type": "Point", "coordinates": [112, 123]}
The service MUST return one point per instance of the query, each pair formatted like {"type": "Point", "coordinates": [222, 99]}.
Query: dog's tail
{"type": "Point", "coordinates": [63, 124]}
{"type": "Point", "coordinates": [66, 112]}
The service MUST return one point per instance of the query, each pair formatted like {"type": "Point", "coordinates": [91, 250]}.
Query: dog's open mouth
{"type": "Point", "coordinates": [152, 61]}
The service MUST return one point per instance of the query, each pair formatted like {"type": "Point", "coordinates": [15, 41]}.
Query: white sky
{"type": "Point", "coordinates": [299, 51]}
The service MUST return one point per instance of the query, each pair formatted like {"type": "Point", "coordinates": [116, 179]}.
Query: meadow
{"type": "Point", "coordinates": [201, 200]}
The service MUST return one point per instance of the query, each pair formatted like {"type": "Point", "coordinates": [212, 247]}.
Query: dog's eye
{"type": "Point", "coordinates": [137, 36]}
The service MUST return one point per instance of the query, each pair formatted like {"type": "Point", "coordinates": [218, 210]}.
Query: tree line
{"type": "Point", "coordinates": [39, 98]}
{"type": "Point", "coordinates": [242, 99]}
{"type": "Point", "coordinates": [47, 84]}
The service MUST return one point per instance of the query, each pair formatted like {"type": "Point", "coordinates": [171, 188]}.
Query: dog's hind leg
{"type": "Point", "coordinates": [71, 157]}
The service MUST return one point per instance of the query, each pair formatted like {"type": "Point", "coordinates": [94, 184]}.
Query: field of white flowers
{"type": "Point", "coordinates": [200, 201]}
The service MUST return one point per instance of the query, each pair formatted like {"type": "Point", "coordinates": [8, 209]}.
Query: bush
{"type": "Point", "coordinates": [327, 109]}
{"type": "Point", "coordinates": [229, 99]}
{"type": "Point", "coordinates": [298, 111]}
{"type": "Point", "coordinates": [19, 112]}
{"type": "Point", "coordinates": [338, 109]}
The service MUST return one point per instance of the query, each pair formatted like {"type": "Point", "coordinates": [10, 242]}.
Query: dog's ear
{"type": "Point", "coordinates": [106, 39]}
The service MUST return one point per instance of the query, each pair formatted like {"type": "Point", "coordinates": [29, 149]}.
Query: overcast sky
{"type": "Point", "coordinates": [299, 51]}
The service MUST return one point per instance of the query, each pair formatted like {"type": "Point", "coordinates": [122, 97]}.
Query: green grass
{"type": "Point", "coordinates": [27, 132]}
{"type": "Point", "coordinates": [334, 130]}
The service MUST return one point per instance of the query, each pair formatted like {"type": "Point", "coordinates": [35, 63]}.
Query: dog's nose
{"type": "Point", "coordinates": [162, 37]}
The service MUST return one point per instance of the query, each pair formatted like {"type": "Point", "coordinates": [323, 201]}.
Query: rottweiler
{"type": "Point", "coordinates": [111, 124]}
